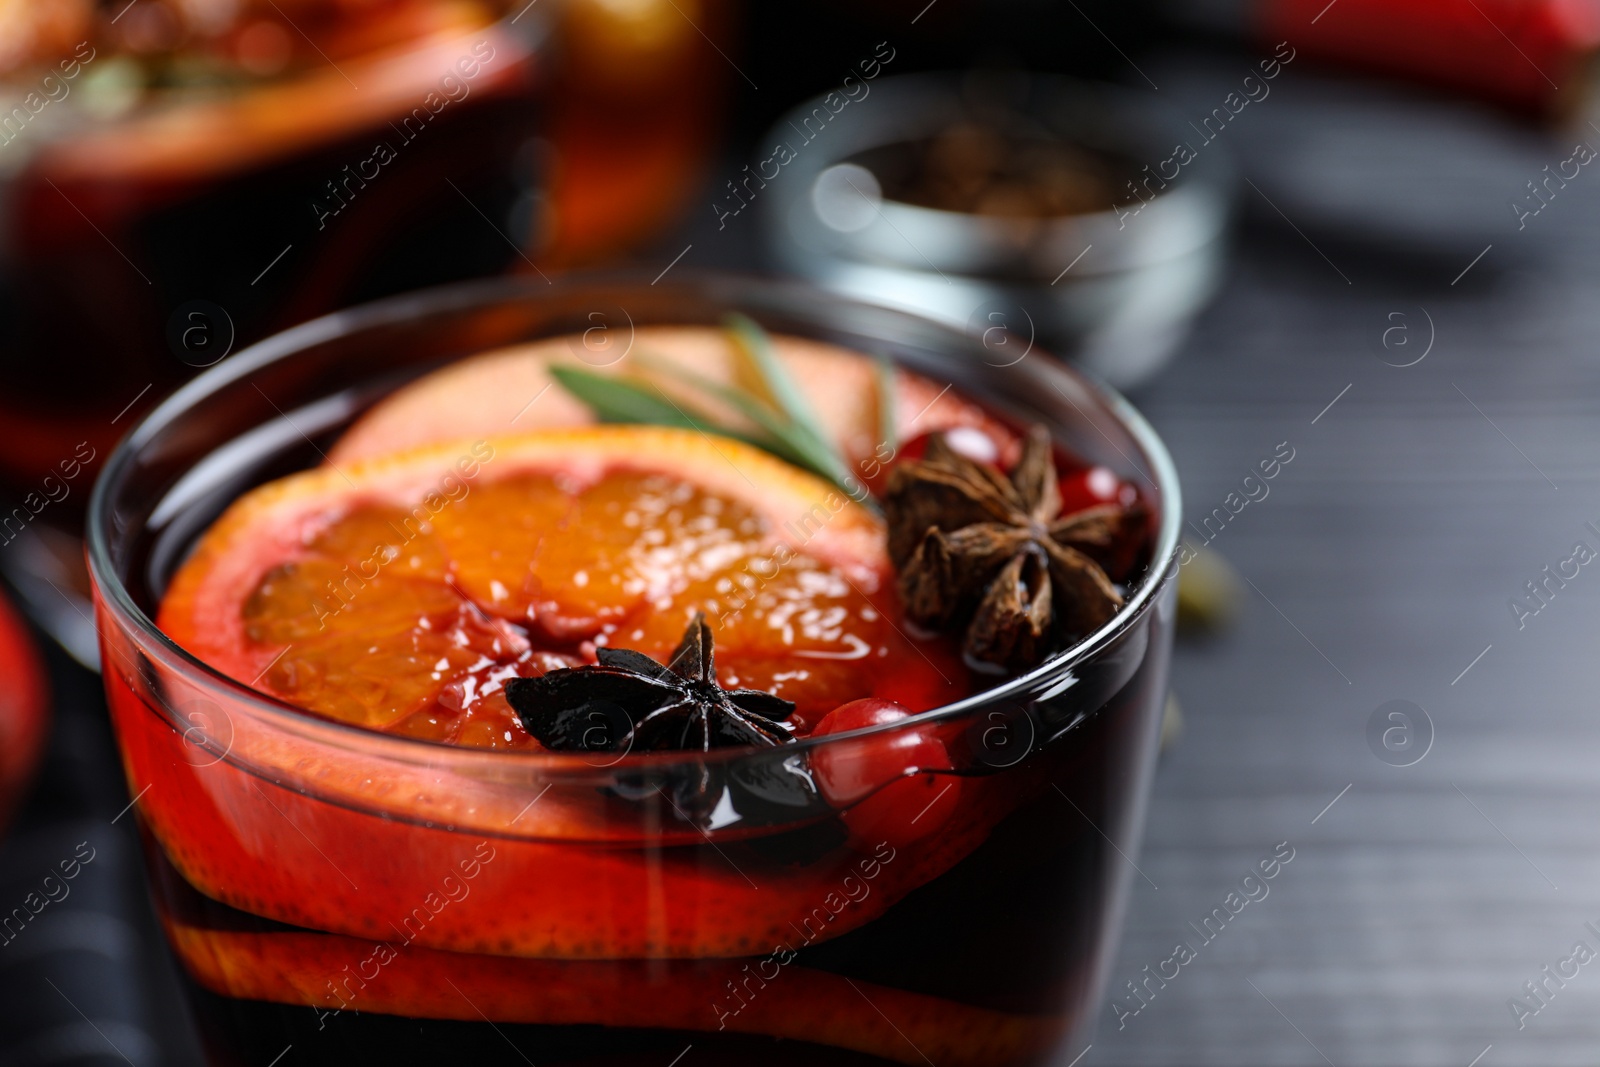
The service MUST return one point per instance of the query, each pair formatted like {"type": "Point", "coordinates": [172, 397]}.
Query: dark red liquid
{"type": "Point", "coordinates": [1019, 927]}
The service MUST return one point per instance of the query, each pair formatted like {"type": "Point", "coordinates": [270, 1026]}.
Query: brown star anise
{"type": "Point", "coordinates": [994, 555]}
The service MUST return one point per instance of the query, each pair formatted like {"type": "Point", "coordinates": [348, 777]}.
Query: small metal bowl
{"type": "Point", "coordinates": [1114, 289]}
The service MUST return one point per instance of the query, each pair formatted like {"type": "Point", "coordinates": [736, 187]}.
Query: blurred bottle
{"type": "Point", "coordinates": [637, 111]}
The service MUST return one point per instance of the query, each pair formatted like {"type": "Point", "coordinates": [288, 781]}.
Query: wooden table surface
{"type": "Point", "coordinates": [1381, 567]}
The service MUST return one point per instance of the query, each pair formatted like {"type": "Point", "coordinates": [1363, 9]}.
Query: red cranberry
{"type": "Point", "coordinates": [966, 441]}
{"type": "Point", "coordinates": [1088, 487]}
{"type": "Point", "coordinates": [882, 781]}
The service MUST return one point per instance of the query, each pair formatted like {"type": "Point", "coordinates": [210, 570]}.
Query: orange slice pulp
{"type": "Point", "coordinates": [400, 593]}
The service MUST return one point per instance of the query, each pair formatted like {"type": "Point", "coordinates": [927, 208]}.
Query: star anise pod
{"type": "Point", "coordinates": [993, 556]}
{"type": "Point", "coordinates": [629, 702]}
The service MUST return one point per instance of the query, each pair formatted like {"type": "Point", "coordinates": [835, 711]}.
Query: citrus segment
{"type": "Point", "coordinates": [385, 595]}
{"type": "Point", "coordinates": [814, 1006]}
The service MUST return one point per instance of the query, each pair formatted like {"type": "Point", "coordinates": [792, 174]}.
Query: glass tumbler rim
{"type": "Point", "coordinates": [1049, 678]}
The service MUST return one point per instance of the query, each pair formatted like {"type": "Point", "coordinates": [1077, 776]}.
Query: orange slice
{"type": "Point", "coordinates": [400, 593]}
{"type": "Point", "coordinates": [809, 1006]}
{"type": "Point", "coordinates": [511, 390]}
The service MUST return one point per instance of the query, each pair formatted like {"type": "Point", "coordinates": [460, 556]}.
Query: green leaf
{"type": "Point", "coordinates": [797, 447]}
{"type": "Point", "coordinates": [752, 342]}
{"type": "Point", "coordinates": [621, 400]}
{"type": "Point", "coordinates": [633, 400]}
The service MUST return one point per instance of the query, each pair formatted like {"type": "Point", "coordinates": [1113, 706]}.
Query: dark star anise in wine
{"type": "Point", "coordinates": [629, 702]}
{"type": "Point", "coordinates": [993, 556]}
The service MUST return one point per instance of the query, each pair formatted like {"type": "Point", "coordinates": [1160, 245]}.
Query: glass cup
{"type": "Point", "coordinates": [367, 898]}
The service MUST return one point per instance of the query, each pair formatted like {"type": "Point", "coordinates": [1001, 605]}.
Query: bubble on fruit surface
{"type": "Point", "coordinates": [200, 333]}
{"type": "Point", "coordinates": [846, 197]}
{"type": "Point", "coordinates": [1005, 329]}
{"type": "Point", "coordinates": [1399, 733]}
{"type": "Point", "coordinates": [207, 731]}
{"type": "Point", "coordinates": [606, 337]}
{"type": "Point", "coordinates": [1002, 737]}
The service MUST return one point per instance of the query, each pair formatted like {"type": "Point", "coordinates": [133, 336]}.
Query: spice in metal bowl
{"type": "Point", "coordinates": [978, 169]}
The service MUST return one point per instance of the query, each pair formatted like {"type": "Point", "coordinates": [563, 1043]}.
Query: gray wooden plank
{"type": "Point", "coordinates": [1393, 542]}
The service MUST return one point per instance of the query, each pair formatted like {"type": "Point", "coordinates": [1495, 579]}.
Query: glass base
{"type": "Point", "coordinates": [1015, 931]}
